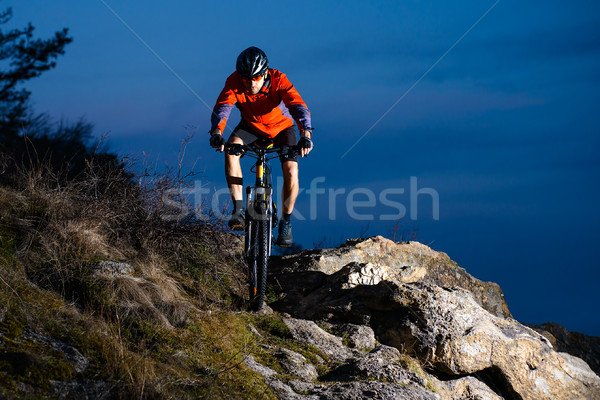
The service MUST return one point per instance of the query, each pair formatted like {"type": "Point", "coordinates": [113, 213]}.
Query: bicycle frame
{"type": "Point", "coordinates": [259, 198]}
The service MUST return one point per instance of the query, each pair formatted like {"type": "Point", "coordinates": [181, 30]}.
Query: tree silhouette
{"type": "Point", "coordinates": [29, 141]}
{"type": "Point", "coordinates": [25, 58]}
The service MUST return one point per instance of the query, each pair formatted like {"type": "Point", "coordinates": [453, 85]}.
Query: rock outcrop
{"type": "Point", "coordinates": [419, 302]}
{"type": "Point", "coordinates": [380, 373]}
{"type": "Point", "coordinates": [378, 259]}
{"type": "Point", "coordinates": [576, 344]}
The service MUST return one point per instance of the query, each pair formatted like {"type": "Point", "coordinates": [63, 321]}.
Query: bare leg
{"type": "Point", "coordinates": [289, 192]}
{"type": "Point", "coordinates": [233, 172]}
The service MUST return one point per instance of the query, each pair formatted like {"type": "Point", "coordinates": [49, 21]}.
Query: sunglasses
{"type": "Point", "coordinates": [254, 78]}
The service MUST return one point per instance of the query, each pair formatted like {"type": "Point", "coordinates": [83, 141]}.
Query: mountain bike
{"type": "Point", "coordinates": [261, 213]}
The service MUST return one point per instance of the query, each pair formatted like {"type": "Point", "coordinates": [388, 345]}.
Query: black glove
{"type": "Point", "coordinates": [217, 141]}
{"type": "Point", "coordinates": [305, 143]}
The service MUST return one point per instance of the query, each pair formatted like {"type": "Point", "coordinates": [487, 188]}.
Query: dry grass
{"type": "Point", "coordinates": [162, 330]}
{"type": "Point", "coordinates": [168, 326]}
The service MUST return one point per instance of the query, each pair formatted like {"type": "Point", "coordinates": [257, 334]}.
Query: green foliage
{"type": "Point", "coordinates": [412, 365]}
{"type": "Point", "coordinates": [276, 333]}
{"type": "Point", "coordinates": [23, 360]}
{"type": "Point", "coordinates": [431, 386]}
{"type": "Point", "coordinates": [34, 367]}
{"type": "Point", "coordinates": [274, 325]}
{"type": "Point", "coordinates": [346, 340]}
{"type": "Point", "coordinates": [11, 327]}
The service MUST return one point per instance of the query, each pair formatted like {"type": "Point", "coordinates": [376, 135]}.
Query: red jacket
{"type": "Point", "coordinates": [269, 112]}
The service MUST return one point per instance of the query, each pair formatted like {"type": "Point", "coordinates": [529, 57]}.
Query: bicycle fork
{"type": "Point", "coordinates": [259, 206]}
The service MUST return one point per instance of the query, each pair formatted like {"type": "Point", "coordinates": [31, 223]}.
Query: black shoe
{"type": "Point", "coordinates": [237, 220]}
{"type": "Point", "coordinates": [285, 238]}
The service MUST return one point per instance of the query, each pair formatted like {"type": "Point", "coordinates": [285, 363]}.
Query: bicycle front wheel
{"type": "Point", "coordinates": [263, 241]}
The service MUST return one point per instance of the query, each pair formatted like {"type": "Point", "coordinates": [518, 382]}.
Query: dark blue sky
{"type": "Point", "coordinates": [504, 127]}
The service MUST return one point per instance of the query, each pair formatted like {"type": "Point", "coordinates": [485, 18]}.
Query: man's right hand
{"type": "Point", "coordinates": [217, 140]}
{"type": "Point", "coordinates": [306, 145]}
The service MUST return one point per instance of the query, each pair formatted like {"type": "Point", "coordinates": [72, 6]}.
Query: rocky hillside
{"type": "Point", "coordinates": [417, 302]}
{"type": "Point", "coordinates": [102, 299]}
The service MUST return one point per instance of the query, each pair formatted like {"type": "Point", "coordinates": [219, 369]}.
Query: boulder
{"type": "Point", "coordinates": [455, 334]}
{"type": "Point", "coordinates": [295, 364]}
{"type": "Point", "coordinates": [449, 330]}
{"type": "Point", "coordinates": [251, 363]}
{"type": "Point", "coordinates": [351, 374]}
{"type": "Point", "coordinates": [309, 332]}
{"type": "Point", "coordinates": [113, 269]}
{"type": "Point", "coordinates": [358, 337]}
{"type": "Point", "coordinates": [445, 327]}
{"type": "Point", "coordinates": [282, 390]}
{"type": "Point", "coordinates": [375, 391]}
{"type": "Point", "coordinates": [579, 345]}
{"type": "Point", "coordinates": [379, 259]}
{"type": "Point", "coordinates": [381, 364]}
{"type": "Point", "coordinates": [69, 353]}
{"type": "Point", "coordinates": [468, 388]}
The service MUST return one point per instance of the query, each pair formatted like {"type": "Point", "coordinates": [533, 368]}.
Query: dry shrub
{"type": "Point", "coordinates": [104, 213]}
{"type": "Point", "coordinates": [185, 272]}
{"type": "Point", "coordinates": [159, 301]}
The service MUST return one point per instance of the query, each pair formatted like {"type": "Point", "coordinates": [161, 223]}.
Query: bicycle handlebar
{"type": "Point", "coordinates": [239, 149]}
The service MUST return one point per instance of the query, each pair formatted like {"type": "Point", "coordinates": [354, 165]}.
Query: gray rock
{"type": "Point", "coordinates": [468, 388]}
{"type": "Point", "coordinates": [360, 337]}
{"type": "Point", "coordinates": [452, 332]}
{"type": "Point", "coordinates": [301, 387]}
{"type": "Point", "coordinates": [255, 331]}
{"type": "Point", "coordinates": [449, 328]}
{"type": "Point", "coordinates": [81, 390]}
{"type": "Point", "coordinates": [309, 332]}
{"type": "Point", "coordinates": [265, 310]}
{"type": "Point", "coordinates": [113, 269]}
{"type": "Point", "coordinates": [251, 363]}
{"type": "Point", "coordinates": [370, 261]}
{"type": "Point", "coordinates": [296, 364]}
{"type": "Point", "coordinates": [70, 353]}
{"type": "Point", "coordinates": [381, 364]}
{"type": "Point", "coordinates": [375, 391]}
{"type": "Point", "coordinates": [283, 391]}
{"type": "Point", "coordinates": [342, 382]}
{"type": "Point", "coordinates": [574, 343]}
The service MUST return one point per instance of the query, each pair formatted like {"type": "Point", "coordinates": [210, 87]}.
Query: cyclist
{"type": "Point", "coordinates": [269, 104]}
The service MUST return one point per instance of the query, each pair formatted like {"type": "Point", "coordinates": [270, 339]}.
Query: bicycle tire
{"type": "Point", "coordinates": [257, 244]}
{"type": "Point", "coordinates": [262, 260]}
{"type": "Point", "coordinates": [250, 252]}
